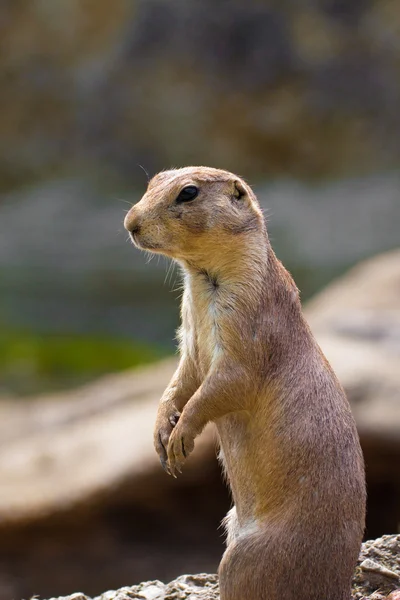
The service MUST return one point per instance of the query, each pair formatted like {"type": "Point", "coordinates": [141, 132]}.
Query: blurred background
{"type": "Point", "coordinates": [302, 100]}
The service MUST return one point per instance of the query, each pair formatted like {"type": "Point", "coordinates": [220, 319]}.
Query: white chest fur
{"type": "Point", "coordinates": [201, 321]}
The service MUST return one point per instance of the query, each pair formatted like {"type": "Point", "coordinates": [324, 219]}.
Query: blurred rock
{"type": "Point", "coordinates": [357, 323]}
{"type": "Point", "coordinates": [386, 550]}
{"type": "Point", "coordinates": [65, 449]}
{"type": "Point", "coordinates": [85, 500]}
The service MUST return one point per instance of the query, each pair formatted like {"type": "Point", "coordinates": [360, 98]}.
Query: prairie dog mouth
{"type": "Point", "coordinates": [134, 239]}
{"type": "Point", "coordinates": [143, 244]}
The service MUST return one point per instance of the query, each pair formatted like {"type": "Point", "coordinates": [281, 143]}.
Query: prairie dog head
{"type": "Point", "coordinates": [188, 213]}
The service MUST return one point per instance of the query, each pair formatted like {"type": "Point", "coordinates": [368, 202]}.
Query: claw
{"type": "Point", "coordinates": [165, 465]}
{"type": "Point", "coordinates": [173, 419]}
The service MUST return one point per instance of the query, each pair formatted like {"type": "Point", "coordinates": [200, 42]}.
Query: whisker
{"type": "Point", "coordinates": [172, 274]}
{"type": "Point", "coordinates": [170, 267]}
{"type": "Point", "coordinates": [143, 169]}
{"type": "Point", "coordinates": [149, 257]}
{"type": "Point", "coordinates": [122, 200]}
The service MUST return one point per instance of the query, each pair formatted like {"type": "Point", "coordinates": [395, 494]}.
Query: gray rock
{"type": "Point", "coordinates": [378, 569]}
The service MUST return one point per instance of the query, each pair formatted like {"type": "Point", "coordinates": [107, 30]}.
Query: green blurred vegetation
{"type": "Point", "coordinates": [32, 363]}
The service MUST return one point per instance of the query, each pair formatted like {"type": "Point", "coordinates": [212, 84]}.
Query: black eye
{"type": "Point", "coordinates": [188, 193]}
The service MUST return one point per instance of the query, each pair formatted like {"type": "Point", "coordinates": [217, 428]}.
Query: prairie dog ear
{"type": "Point", "coordinates": [239, 189]}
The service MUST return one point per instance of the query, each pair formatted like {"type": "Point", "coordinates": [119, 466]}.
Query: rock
{"type": "Point", "coordinates": [64, 449]}
{"type": "Point", "coordinates": [370, 566]}
{"type": "Point", "coordinates": [356, 320]}
{"type": "Point", "coordinates": [84, 501]}
{"type": "Point", "coordinates": [378, 569]}
{"type": "Point", "coordinates": [380, 557]}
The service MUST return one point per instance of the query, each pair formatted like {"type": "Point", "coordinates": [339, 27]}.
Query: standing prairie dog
{"type": "Point", "coordinates": [250, 364]}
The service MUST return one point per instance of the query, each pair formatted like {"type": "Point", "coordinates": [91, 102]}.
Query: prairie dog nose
{"type": "Point", "coordinates": [131, 222]}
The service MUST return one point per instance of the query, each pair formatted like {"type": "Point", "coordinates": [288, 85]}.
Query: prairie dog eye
{"type": "Point", "coordinates": [188, 193]}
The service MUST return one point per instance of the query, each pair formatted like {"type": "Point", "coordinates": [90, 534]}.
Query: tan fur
{"type": "Point", "coordinates": [249, 363]}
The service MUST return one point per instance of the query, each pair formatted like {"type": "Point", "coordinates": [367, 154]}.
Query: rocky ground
{"type": "Point", "coordinates": [377, 577]}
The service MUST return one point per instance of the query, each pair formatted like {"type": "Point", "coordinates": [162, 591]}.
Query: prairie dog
{"type": "Point", "coordinates": [249, 363]}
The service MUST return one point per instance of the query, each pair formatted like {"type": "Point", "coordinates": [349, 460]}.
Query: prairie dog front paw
{"type": "Point", "coordinates": [167, 418]}
{"type": "Point", "coordinates": [181, 444]}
